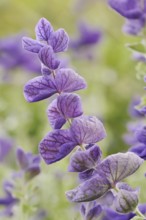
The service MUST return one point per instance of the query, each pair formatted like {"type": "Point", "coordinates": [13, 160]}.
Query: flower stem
{"type": "Point", "coordinates": [138, 213]}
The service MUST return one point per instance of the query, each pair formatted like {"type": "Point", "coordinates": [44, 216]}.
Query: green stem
{"type": "Point", "coordinates": [138, 213]}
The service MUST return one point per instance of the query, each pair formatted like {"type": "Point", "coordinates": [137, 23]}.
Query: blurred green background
{"type": "Point", "coordinates": [111, 79]}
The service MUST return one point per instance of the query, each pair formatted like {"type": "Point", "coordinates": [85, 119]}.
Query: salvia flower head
{"type": "Point", "coordinates": [47, 43]}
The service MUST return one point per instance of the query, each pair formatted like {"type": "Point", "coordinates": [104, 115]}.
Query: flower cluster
{"type": "Point", "coordinates": [99, 178]}
{"type": "Point", "coordinates": [66, 107]}
{"type": "Point", "coordinates": [135, 13]}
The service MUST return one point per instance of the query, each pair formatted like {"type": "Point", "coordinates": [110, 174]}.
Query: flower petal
{"type": "Point", "coordinates": [48, 58]}
{"type": "Point", "coordinates": [69, 105]}
{"type": "Point", "coordinates": [89, 190]}
{"type": "Point", "coordinates": [54, 116]}
{"type": "Point", "coordinates": [87, 130]}
{"type": "Point", "coordinates": [126, 201]}
{"type": "Point", "coordinates": [31, 45]}
{"type": "Point", "coordinates": [84, 160]}
{"type": "Point", "coordinates": [56, 145]}
{"type": "Point", "coordinates": [60, 41]}
{"type": "Point", "coordinates": [69, 81]}
{"type": "Point", "coordinates": [39, 88]}
{"type": "Point", "coordinates": [118, 166]}
{"type": "Point", "coordinates": [43, 30]}
{"type": "Point", "coordinates": [128, 9]}
{"type": "Point", "coordinates": [22, 159]}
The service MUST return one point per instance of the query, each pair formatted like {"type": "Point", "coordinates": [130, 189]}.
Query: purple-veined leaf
{"type": "Point", "coordinates": [31, 45]}
{"type": "Point", "coordinates": [48, 58]}
{"type": "Point", "coordinates": [59, 41]}
{"type": "Point", "coordinates": [39, 88]}
{"type": "Point", "coordinates": [54, 116]}
{"type": "Point", "coordinates": [69, 81]}
{"type": "Point", "coordinates": [87, 130]}
{"type": "Point", "coordinates": [56, 145]}
{"type": "Point", "coordinates": [84, 160]}
{"type": "Point", "coordinates": [43, 30]}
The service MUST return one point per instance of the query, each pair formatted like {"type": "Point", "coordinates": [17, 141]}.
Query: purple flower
{"type": "Point", "coordinates": [140, 134]}
{"type": "Point", "coordinates": [8, 201]}
{"type": "Point", "coordinates": [91, 211]}
{"type": "Point", "coordinates": [88, 36]}
{"type": "Point", "coordinates": [126, 201]}
{"type": "Point", "coordinates": [5, 147]}
{"type": "Point", "coordinates": [59, 143]}
{"type": "Point", "coordinates": [128, 9]}
{"type": "Point", "coordinates": [139, 149]}
{"type": "Point", "coordinates": [29, 163]}
{"type": "Point", "coordinates": [132, 107]}
{"type": "Point", "coordinates": [47, 44]}
{"type": "Point", "coordinates": [109, 172]}
{"type": "Point", "coordinates": [134, 12]}
{"type": "Point", "coordinates": [85, 160]}
{"type": "Point", "coordinates": [13, 56]}
{"type": "Point", "coordinates": [89, 190]}
{"type": "Point", "coordinates": [41, 87]}
{"type": "Point", "coordinates": [66, 106]}
{"type": "Point", "coordinates": [83, 46]}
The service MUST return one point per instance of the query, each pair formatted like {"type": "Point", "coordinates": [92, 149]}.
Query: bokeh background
{"type": "Point", "coordinates": [112, 83]}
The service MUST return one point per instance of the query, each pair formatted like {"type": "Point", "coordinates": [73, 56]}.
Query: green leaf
{"type": "Point", "coordinates": [137, 47]}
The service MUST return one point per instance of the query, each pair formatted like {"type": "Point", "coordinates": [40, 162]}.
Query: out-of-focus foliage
{"type": "Point", "coordinates": [111, 79]}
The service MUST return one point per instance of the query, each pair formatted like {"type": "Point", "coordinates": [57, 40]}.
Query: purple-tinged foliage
{"type": "Point", "coordinates": [126, 201]}
{"type": "Point", "coordinates": [110, 214]}
{"type": "Point", "coordinates": [69, 105]}
{"type": "Point", "coordinates": [59, 143]}
{"type": "Point", "coordinates": [45, 35]}
{"type": "Point", "coordinates": [42, 87]}
{"type": "Point", "coordinates": [109, 172]}
{"type": "Point", "coordinates": [56, 145]}
{"type": "Point", "coordinates": [59, 41]}
{"type": "Point", "coordinates": [67, 80]}
{"type": "Point", "coordinates": [89, 190]}
{"type": "Point", "coordinates": [65, 107]}
{"type": "Point", "coordinates": [5, 147]}
{"type": "Point", "coordinates": [87, 130]}
{"type": "Point", "coordinates": [55, 118]}
{"type": "Point", "coordinates": [118, 166]}
{"type": "Point", "coordinates": [48, 58]}
{"type": "Point", "coordinates": [91, 211]}
{"type": "Point", "coordinates": [43, 30]}
{"type": "Point", "coordinates": [85, 160]}
{"type": "Point", "coordinates": [32, 45]}
{"type": "Point", "coordinates": [139, 149]}
{"type": "Point", "coordinates": [39, 88]}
